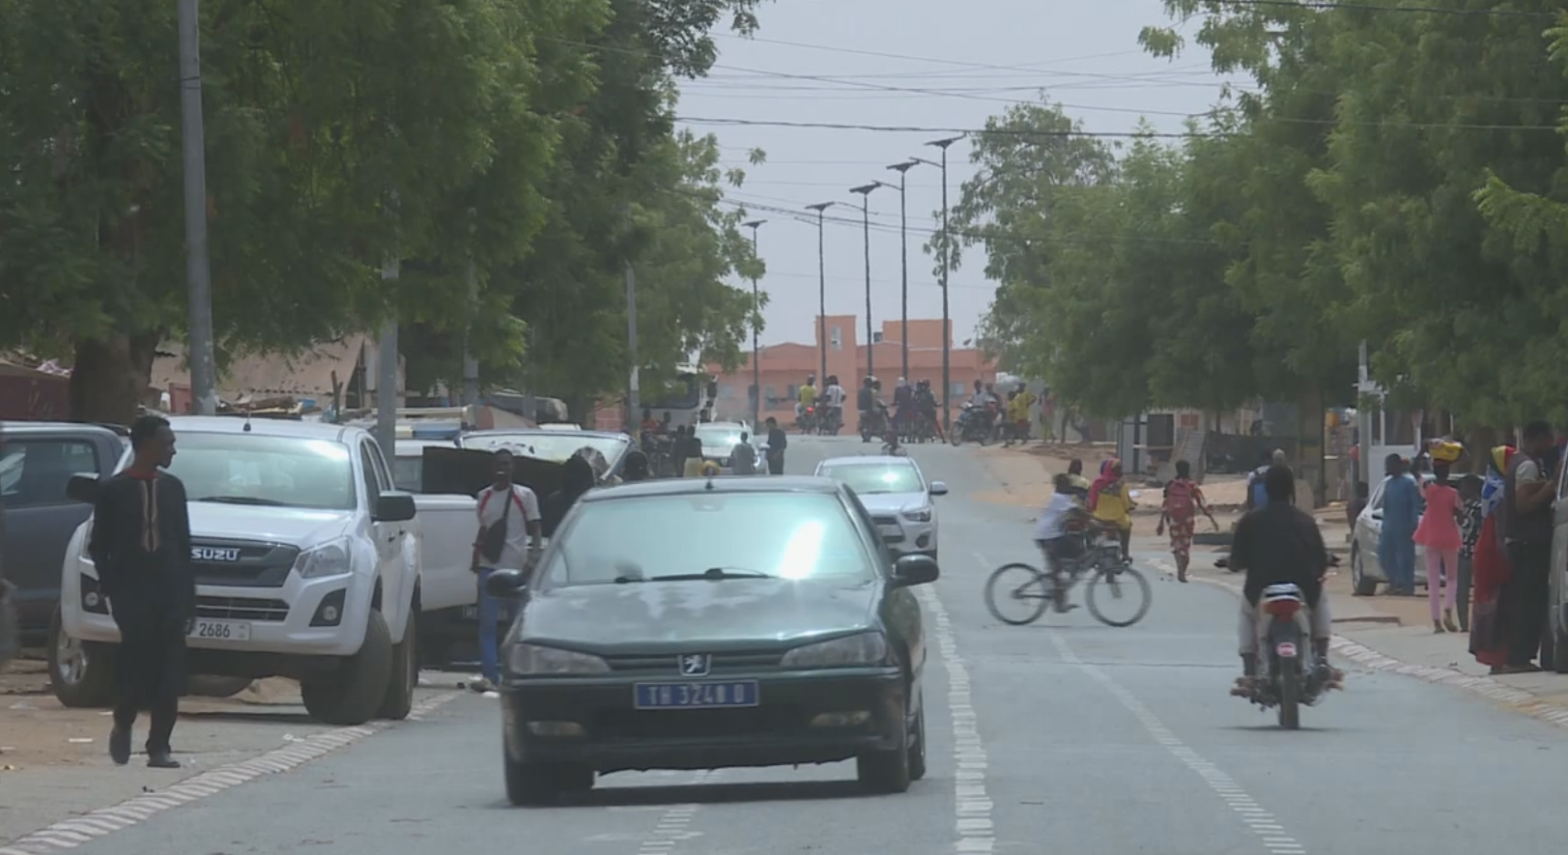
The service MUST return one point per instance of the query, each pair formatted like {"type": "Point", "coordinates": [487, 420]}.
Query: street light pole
{"type": "Point", "coordinates": [947, 337]}
{"type": "Point", "coordinates": [198, 267]}
{"type": "Point", "coordinates": [865, 218]}
{"type": "Point", "coordinates": [822, 294]}
{"type": "Point", "coordinates": [756, 352]}
{"type": "Point", "coordinates": [903, 245]}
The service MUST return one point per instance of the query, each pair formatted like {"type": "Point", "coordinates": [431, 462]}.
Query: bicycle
{"type": "Point", "coordinates": [1101, 560]}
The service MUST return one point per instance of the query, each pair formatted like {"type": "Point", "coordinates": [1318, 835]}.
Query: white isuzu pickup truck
{"type": "Point", "coordinates": [308, 565]}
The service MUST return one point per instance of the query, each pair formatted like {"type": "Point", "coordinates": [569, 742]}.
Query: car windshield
{"type": "Point", "coordinates": [246, 469]}
{"type": "Point", "coordinates": [719, 436]}
{"type": "Point", "coordinates": [869, 479]}
{"type": "Point", "coordinates": [641, 539]}
{"type": "Point", "coordinates": [556, 446]}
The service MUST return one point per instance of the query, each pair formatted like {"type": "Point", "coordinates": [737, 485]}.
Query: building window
{"type": "Point", "coordinates": [792, 392]}
{"type": "Point", "coordinates": [838, 338]}
{"type": "Point", "coordinates": [768, 396]}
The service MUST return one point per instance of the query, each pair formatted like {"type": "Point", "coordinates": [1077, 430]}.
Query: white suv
{"type": "Point", "coordinates": [307, 564]}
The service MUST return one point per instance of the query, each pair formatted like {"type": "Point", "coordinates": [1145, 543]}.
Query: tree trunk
{"type": "Point", "coordinates": [111, 376]}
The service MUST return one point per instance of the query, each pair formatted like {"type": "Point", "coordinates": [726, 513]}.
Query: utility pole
{"type": "Point", "coordinates": [386, 361]}
{"type": "Point", "coordinates": [822, 295]}
{"type": "Point", "coordinates": [756, 352]}
{"type": "Point", "coordinates": [865, 219]}
{"type": "Point", "coordinates": [947, 336]}
{"type": "Point", "coordinates": [632, 391]}
{"type": "Point", "coordinates": [198, 267]}
{"type": "Point", "coordinates": [470, 363]}
{"type": "Point", "coordinates": [903, 244]}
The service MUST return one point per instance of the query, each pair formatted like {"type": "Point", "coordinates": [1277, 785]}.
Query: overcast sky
{"type": "Point", "coordinates": [853, 62]}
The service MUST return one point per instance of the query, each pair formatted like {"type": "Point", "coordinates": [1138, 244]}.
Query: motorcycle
{"type": "Point", "coordinates": [1289, 674]}
{"type": "Point", "coordinates": [829, 421]}
{"type": "Point", "coordinates": [807, 423]}
{"type": "Point", "coordinates": [874, 424]}
{"type": "Point", "coordinates": [974, 424]}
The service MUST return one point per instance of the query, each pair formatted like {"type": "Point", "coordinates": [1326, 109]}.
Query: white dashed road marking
{"type": "Point", "coordinates": [972, 805]}
{"type": "Point", "coordinates": [71, 833]}
{"type": "Point", "coordinates": [674, 824]}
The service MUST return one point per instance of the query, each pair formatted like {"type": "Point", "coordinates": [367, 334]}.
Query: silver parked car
{"type": "Point", "coordinates": [1366, 572]}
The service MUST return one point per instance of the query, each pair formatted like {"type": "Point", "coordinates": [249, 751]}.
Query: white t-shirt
{"type": "Point", "coordinates": [834, 395]}
{"type": "Point", "coordinates": [1052, 522]}
{"type": "Point", "coordinates": [521, 509]}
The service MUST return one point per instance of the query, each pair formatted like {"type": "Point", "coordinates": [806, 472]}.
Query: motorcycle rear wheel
{"type": "Point", "coordinates": [1289, 693]}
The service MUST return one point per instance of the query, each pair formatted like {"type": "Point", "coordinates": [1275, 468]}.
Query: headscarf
{"type": "Point", "coordinates": [577, 477]}
{"type": "Point", "coordinates": [1496, 471]}
{"type": "Point", "coordinates": [1107, 478]}
{"type": "Point", "coordinates": [635, 467]}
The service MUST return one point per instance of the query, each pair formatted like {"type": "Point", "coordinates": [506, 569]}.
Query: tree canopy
{"type": "Point", "coordinates": [1392, 174]}
{"type": "Point", "coordinates": [516, 135]}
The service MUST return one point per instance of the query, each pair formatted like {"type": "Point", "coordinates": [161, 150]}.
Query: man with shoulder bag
{"type": "Point", "coordinates": [509, 538]}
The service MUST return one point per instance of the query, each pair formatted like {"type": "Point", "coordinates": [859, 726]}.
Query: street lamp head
{"type": "Point", "coordinates": [820, 206]}
{"type": "Point", "coordinates": [943, 144]}
{"type": "Point", "coordinates": [907, 165]}
{"type": "Point", "coordinates": [865, 189]}
{"type": "Point", "coordinates": [753, 225]}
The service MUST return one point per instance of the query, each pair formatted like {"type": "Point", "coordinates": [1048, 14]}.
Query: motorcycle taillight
{"type": "Point", "coordinates": [1282, 608]}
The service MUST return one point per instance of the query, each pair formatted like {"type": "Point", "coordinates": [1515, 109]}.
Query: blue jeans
{"type": "Point", "coordinates": [489, 617]}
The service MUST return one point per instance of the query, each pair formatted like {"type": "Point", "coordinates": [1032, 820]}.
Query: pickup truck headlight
{"type": "Point", "coordinates": [324, 561]}
{"type": "Point", "coordinates": [866, 648]}
{"type": "Point", "coordinates": [918, 515]}
{"type": "Point", "coordinates": [536, 661]}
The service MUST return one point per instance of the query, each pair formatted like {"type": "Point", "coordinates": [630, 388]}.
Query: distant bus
{"type": "Point", "coordinates": [693, 390]}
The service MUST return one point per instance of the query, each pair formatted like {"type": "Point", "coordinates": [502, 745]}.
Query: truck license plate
{"type": "Point", "coordinates": [220, 630]}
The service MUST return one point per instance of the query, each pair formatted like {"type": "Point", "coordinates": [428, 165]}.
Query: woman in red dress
{"type": "Point", "coordinates": [1489, 626]}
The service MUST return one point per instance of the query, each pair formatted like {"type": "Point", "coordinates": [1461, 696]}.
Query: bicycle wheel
{"type": "Point", "coordinates": [1125, 585]}
{"type": "Point", "coordinates": [1024, 583]}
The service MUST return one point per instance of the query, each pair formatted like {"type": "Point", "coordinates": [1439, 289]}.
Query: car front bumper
{"type": "Point", "coordinates": [801, 717]}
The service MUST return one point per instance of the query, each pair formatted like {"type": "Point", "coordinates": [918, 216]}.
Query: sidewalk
{"type": "Point", "coordinates": [1379, 633]}
{"type": "Point", "coordinates": [54, 762]}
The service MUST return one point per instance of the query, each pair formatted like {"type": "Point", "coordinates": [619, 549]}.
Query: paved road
{"type": "Point", "coordinates": [1091, 740]}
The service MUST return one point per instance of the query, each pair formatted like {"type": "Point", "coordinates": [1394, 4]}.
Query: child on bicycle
{"type": "Point", "coordinates": [1059, 532]}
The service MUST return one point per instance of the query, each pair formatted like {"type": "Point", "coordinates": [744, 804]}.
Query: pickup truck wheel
{"type": "Point", "coordinates": [81, 672]}
{"type": "Point", "coordinates": [351, 695]}
{"type": "Point", "coordinates": [399, 700]}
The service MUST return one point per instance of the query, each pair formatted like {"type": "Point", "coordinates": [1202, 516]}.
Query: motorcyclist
{"type": "Point", "coordinates": [807, 397]}
{"type": "Point", "coordinates": [1278, 544]}
{"type": "Point", "coordinates": [925, 405]}
{"type": "Point", "coordinates": [833, 398]}
{"type": "Point", "coordinates": [903, 405]}
{"type": "Point", "coordinates": [866, 402]}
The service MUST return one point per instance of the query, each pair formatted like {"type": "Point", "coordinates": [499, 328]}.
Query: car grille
{"type": "Point", "coordinates": [694, 724]}
{"type": "Point", "coordinates": [891, 521]}
{"type": "Point", "coordinates": [255, 565]}
{"type": "Point", "coordinates": [719, 663]}
{"type": "Point", "coordinates": [242, 608]}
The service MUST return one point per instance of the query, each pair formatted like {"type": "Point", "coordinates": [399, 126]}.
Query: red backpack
{"type": "Point", "coordinates": [1181, 499]}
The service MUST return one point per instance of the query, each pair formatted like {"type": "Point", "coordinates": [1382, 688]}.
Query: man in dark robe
{"type": "Point", "coordinates": [141, 548]}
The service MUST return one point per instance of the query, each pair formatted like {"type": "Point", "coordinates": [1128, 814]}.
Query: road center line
{"type": "Point", "coordinates": [972, 805]}
{"type": "Point", "coordinates": [674, 824]}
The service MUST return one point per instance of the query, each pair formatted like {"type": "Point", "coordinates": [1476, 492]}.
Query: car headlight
{"type": "Point", "coordinates": [531, 659]}
{"type": "Point", "coordinates": [866, 648]}
{"type": "Point", "coordinates": [918, 515]}
{"type": "Point", "coordinates": [324, 561]}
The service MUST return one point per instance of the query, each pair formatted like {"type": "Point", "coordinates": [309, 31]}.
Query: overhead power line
{"type": "Point", "coordinates": [1370, 7]}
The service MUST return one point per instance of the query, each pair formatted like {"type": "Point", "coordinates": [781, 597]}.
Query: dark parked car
{"type": "Point", "coordinates": [37, 460]}
{"type": "Point", "coordinates": [697, 624]}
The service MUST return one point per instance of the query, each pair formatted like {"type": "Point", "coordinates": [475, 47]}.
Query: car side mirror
{"type": "Point", "coordinates": [506, 584]}
{"type": "Point", "coordinates": [913, 570]}
{"type": "Point", "coordinates": [82, 488]}
{"type": "Point", "coordinates": [394, 506]}
{"type": "Point", "coordinates": [938, 488]}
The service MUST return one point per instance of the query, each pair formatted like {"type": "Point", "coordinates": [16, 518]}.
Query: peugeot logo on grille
{"type": "Point", "coordinates": [695, 665]}
{"type": "Point", "coordinates": [215, 554]}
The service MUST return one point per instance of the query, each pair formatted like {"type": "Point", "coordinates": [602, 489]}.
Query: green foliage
{"type": "Point", "coordinates": [1393, 178]}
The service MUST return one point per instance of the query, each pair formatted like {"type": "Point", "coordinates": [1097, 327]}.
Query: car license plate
{"type": "Point", "coordinates": [220, 630]}
{"type": "Point", "coordinates": [470, 613]}
{"type": "Point", "coordinates": [890, 531]}
{"type": "Point", "coordinates": [695, 696]}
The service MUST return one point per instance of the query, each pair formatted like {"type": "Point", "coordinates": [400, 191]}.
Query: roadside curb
{"type": "Point", "coordinates": [83, 829]}
{"type": "Point", "coordinates": [1517, 700]}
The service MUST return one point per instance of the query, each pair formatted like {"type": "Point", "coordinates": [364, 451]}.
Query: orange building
{"type": "Point", "coordinates": [785, 366]}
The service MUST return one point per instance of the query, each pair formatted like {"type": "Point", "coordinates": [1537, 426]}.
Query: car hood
{"type": "Point", "coordinates": [892, 503]}
{"type": "Point", "coordinates": [294, 526]}
{"type": "Point", "coordinates": [681, 616]}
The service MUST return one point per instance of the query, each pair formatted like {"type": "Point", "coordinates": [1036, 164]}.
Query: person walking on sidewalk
{"type": "Point", "coordinates": [141, 546]}
{"type": "Point", "coordinates": [1489, 624]}
{"type": "Point", "coordinates": [1470, 518]}
{"type": "Point", "coordinates": [1396, 548]}
{"type": "Point", "coordinates": [1439, 533]}
{"type": "Point", "coordinates": [1527, 533]}
{"type": "Point", "coordinates": [1183, 502]}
